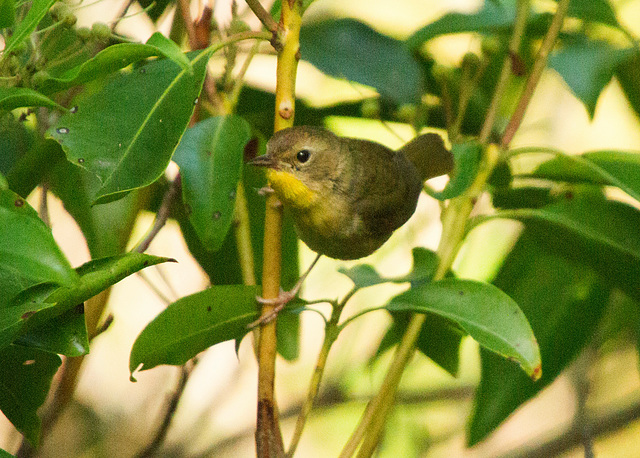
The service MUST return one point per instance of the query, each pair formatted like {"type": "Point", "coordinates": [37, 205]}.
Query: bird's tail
{"type": "Point", "coordinates": [429, 155]}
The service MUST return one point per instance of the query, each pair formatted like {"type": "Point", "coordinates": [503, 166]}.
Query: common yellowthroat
{"type": "Point", "coordinates": [347, 195]}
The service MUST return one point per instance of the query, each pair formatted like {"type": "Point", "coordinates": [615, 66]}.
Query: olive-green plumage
{"type": "Point", "coordinates": [346, 195]}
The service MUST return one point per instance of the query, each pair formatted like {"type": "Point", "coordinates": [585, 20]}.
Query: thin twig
{"type": "Point", "coordinates": [263, 15]}
{"type": "Point", "coordinates": [161, 217]}
{"type": "Point", "coordinates": [331, 332]}
{"type": "Point", "coordinates": [172, 406]}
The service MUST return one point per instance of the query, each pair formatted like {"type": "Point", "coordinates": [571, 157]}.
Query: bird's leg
{"type": "Point", "coordinates": [283, 298]}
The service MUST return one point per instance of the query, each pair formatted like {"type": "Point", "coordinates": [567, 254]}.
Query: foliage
{"type": "Point", "coordinates": [96, 119]}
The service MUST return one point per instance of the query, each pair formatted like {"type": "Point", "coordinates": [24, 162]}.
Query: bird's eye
{"type": "Point", "coordinates": [303, 155]}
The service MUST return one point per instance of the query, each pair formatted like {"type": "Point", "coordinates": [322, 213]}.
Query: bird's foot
{"type": "Point", "coordinates": [278, 303]}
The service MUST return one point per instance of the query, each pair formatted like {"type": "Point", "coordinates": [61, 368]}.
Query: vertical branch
{"type": "Point", "coordinates": [268, 436]}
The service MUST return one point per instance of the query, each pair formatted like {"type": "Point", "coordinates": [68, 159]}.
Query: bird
{"type": "Point", "coordinates": [347, 195]}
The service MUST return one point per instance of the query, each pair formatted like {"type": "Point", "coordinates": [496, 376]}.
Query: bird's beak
{"type": "Point", "coordinates": [264, 161]}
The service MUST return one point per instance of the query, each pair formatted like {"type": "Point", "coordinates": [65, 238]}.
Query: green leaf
{"type": "Point", "coordinates": [346, 48]}
{"type": "Point", "coordinates": [425, 263]}
{"type": "Point", "coordinates": [27, 25]}
{"type": "Point", "coordinates": [5, 454]}
{"type": "Point", "coordinates": [628, 74]}
{"type": "Point", "coordinates": [193, 324]}
{"type": "Point", "coordinates": [288, 335]}
{"type": "Point", "coordinates": [210, 158]}
{"type": "Point", "coordinates": [563, 300]}
{"type": "Point", "coordinates": [170, 50]}
{"type": "Point", "coordinates": [95, 276]}
{"type": "Point", "coordinates": [7, 13]}
{"type": "Point", "coordinates": [76, 187]}
{"type": "Point", "coordinates": [154, 8]}
{"type": "Point", "coordinates": [127, 136]}
{"type": "Point", "coordinates": [587, 67]}
{"type": "Point", "coordinates": [16, 97]}
{"type": "Point", "coordinates": [614, 168]}
{"type": "Point", "coordinates": [439, 340]}
{"type": "Point", "coordinates": [64, 335]}
{"type": "Point", "coordinates": [26, 375]}
{"type": "Point", "coordinates": [491, 17]}
{"type": "Point", "coordinates": [223, 266]}
{"type": "Point", "coordinates": [588, 216]}
{"type": "Point", "coordinates": [114, 58]}
{"type": "Point", "coordinates": [467, 157]}
{"type": "Point", "coordinates": [27, 247]}
{"type": "Point", "coordinates": [489, 315]}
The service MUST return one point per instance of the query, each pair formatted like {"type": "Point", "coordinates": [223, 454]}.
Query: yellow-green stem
{"type": "Point", "coordinates": [268, 436]}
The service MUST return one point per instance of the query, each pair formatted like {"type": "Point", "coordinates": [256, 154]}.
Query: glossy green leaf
{"type": "Point", "coordinates": [35, 157]}
{"type": "Point", "coordinates": [491, 17]}
{"type": "Point", "coordinates": [76, 187]}
{"type": "Point", "coordinates": [628, 74]}
{"type": "Point", "coordinates": [170, 50]}
{"type": "Point", "coordinates": [588, 216]}
{"type": "Point", "coordinates": [193, 324]}
{"type": "Point", "coordinates": [210, 158]}
{"type": "Point", "coordinates": [26, 375]}
{"type": "Point", "coordinates": [587, 67]}
{"type": "Point", "coordinates": [467, 159]}
{"type": "Point", "coordinates": [438, 340]}
{"type": "Point", "coordinates": [27, 247]}
{"type": "Point", "coordinates": [7, 13]}
{"type": "Point", "coordinates": [614, 168]}
{"type": "Point", "coordinates": [346, 48]}
{"type": "Point", "coordinates": [563, 300]}
{"type": "Point", "coordinates": [127, 136]}
{"type": "Point", "coordinates": [288, 335]}
{"type": "Point", "coordinates": [16, 141]}
{"type": "Point", "coordinates": [95, 276]}
{"type": "Point", "coordinates": [114, 58]}
{"type": "Point", "coordinates": [489, 315]}
{"type": "Point", "coordinates": [425, 263]}
{"type": "Point", "coordinates": [223, 266]}
{"type": "Point", "coordinates": [28, 24]}
{"type": "Point", "coordinates": [16, 97]}
{"type": "Point", "coordinates": [64, 335]}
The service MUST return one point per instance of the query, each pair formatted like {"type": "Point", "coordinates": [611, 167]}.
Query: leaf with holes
{"type": "Point", "coordinates": [126, 136]}
{"type": "Point", "coordinates": [26, 375]}
{"type": "Point", "coordinates": [28, 252]}
{"type": "Point", "coordinates": [210, 158]}
{"type": "Point", "coordinates": [34, 308]}
{"type": "Point", "coordinates": [193, 324]}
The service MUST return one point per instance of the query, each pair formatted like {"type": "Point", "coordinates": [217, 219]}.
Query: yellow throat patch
{"type": "Point", "coordinates": [290, 190]}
